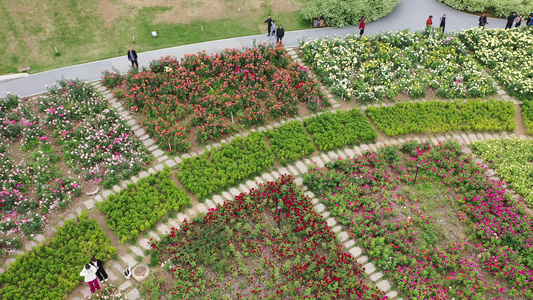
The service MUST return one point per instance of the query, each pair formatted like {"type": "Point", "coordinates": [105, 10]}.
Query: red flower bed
{"type": "Point", "coordinates": [247, 247]}
{"type": "Point", "coordinates": [216, 95]}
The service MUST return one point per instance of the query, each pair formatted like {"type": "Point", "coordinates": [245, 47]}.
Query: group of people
{"type": "Point", "coordinates": [442, 24]}
{"type": "Point", "coordinates": [92, 272]}
{"type": "Point", "coordinates": [514, 20]}
{"type": "Point", "coordinates": [274, 31]}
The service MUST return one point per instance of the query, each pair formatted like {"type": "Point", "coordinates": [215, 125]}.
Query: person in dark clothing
{"type": "Point", "coordinates": [269, 24]}
{"type": "Point", "coordinates": [362, 26]}
{"type": "Point", "coordinates": [483, 21]}
{"type": "Point", "coordinates": [132, 56]}
{"type": "Point", "coordinates": [442, 22]}
{"type": "Point", "coordinates": [100, 271]}
{"type": "Point", "coordinates": [280, 33]}
{"type": "Point", "coordinates": [510, 20]}
{"type": "Point", "coordinates": [529, 18]}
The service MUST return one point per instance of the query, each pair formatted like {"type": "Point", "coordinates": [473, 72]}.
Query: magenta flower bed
{"type": "Point", "coordinates": [245, 250]}
{"type": "Point", "coordinates": [451, 234]}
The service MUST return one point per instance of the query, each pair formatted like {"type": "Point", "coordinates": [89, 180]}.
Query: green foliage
{"type": "Point", "coordinates": [289, 142]}
{"type": "Point", "coordinates": [511, 158]}
{"type": "Point", "coordinates": [340, 13]}
{"type": "Point", "coordinates": [339, 129]}
{"type": "Point", "coordinates": [111, 79]}
{"type": "Point", "coordinates": [499, 7]}
{"type": "Point", "coordinates": [226, 165]}
{"type": "Point", "coordinates": [141, 205]}
{"type": "Point", "coordinates": [438, 116]}
{"type": "Point", "coordinates": [51, 270]}
{"type": "Point", "coordinates": [527, 114]}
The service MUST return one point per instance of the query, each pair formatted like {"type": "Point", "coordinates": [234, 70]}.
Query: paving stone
{"type": "Point", "coordinates": [341, 154]}
{"type": "Point", "coordinates": [293, 170]}
{"type": "Point", "coordinates": [191, 213]}
{"type": "Point", "coordinates": [362, 259]}
{"type": "Point", "coordinates": [376, 276]}
{"type": "Point", "coordinates": [148, 142]}
{"type": "Point", "coordinates": [343, 236]}
{"type": "Point", "coordinates": [349, 244]}
{"type": "Point", "coordinates": [117, 266]}
{"type": "Point", "coordinates": [355, 251]}
{"type": "Point", "coordinates": [178, 160]}
{"type": "Point", "coordinates": [331, 222]}
{"type": "Point", "coordinates": [317, 161]}
{"type": "Point", "coordinates": [325, 214]}
{"type": "Point", "coordinates": [373, 147]}
{"type": "Point", "coordinates": [29, 245]}
{"type": "Point", "coordinates": [490, 172]}
{"type": "Point", "coordinates": [275, 175]}
{"type": "Point", "coordinates": [128, 260]}
{"type": "Point", "coordinates": [86, 291]}
{"type": "Point", "coordinates": [130, 122]}
{"type": "Point", "coordinates": [434, 141]}
{"type": "Point", "coordinates": [173, 224]}
{"type": "Point", "coordinates": [218, 199]}
{"type": "Point", "coordinates": [89, 204]}
{"type": "Point", "coordinates": [243, 188]}
{"type": "Point", "coordinates": [154, 236]}
{"type": "Point", "coordinates": [320, 207]}
{"type": "Point", "coordinates": [136, 250]}
{"type": "Point", "coordinates": [40, 238]}
{"type": "Point", "coordinates": [383, 285]}
{"type": "Point", "coordinates": [170, 163]}
{"type": "Point", "coordinates": [158, 153]}
{"type": "Point", "coordinates": [349, 152]}
{"type": "Point", "coordinates": [144, 137]}
{"type": "Point", "coordinates": [325, 157]}
{"type": "Point", "coordinates": [106, 193]}
{"type": "Point", "coordinates": [369, 268]}
{"type": "Point", "coordinates": [267, 177]}
{"type": "Point", "coordinates": [314, 200]}
{"type": "Point", "coordinates": [2, 270]}
{"type": "Point", "coordinates": [140, 132]}
{"type": "Point", "coordinates": [134, 179]}
{"type": "Point", "coordinates": [283, 171]}
{"type": "Point", "coordinates": [364, 147]}
{"type": "Point", "coordinates": [182, 217]}
{"type": "Point", "coordinates": [299, 181]}
{"type": "Point", "coordinates": [143, 174]}
{"type": "Point", "coordinates": [133, 295]}
{"type": "Point", "coordinates": [136, 127]}
{"type": "Point", "coordinates": [162, 228]}
{"type": "Point", "coordinates": [116, 188]}
{"type": "Point", "coordinates": [301, 167]}
{"type": "Point", "coordinates": [336, 228]}
{"type": "Point", "coordinates": [392, 294]}
{"type": "Point", "coordinates": [258, 180]}
{"type": "Point", "coordinates": [501, 92]}
{"type": "Point", "coordinates": [472, 137]}
{"type": "Point", "coordinates": [227, 196]}
{"type": "Point", "coordinates": [332, 155]}
{"type": "Point", "coordinates": [251, 184]}
{"type": "Point", "coordinates": [151, 171]}
{"type": "Point", "coordinates": [125, 285]}
{"type": "Point", "coordinates": [200, 207]}
{"type": "Point", "coordinates": [145, 243]}
{"type": "Point", "coordinates": [159, 167]}
{"type": "Point", "coordinates": [210, 204]}
{"type": "Point", "coordinates": [124, 184]}
{"type": "Point", "coordinates": [488, 136]}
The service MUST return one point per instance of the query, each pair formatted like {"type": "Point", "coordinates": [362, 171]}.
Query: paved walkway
{"type": "Point", "coordinates": [410, 14]}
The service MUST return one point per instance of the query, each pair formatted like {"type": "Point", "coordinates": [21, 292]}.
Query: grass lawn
{"type": "Point", "coordinates": [90, 30]}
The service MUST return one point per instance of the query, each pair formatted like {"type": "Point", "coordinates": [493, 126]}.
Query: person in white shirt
{"type": "Point", "coordinates": [89, 272]}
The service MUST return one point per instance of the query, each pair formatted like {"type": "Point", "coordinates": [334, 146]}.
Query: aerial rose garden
{"type": "Point", "coordinates": [429, 217]}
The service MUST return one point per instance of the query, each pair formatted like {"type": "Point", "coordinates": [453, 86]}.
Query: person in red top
{"type": "Point", "coordinates": [429, 22]}
{"type": "Point", "coordinates": [362, 26]}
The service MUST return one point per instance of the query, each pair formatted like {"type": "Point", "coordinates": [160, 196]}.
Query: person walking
{"type": "Point", "coordinates": [429, 21]}
{"type": "Point", "coordinates": [280, 33]}
{"type": "Point", "coordinates": [518, 21]}
{"type": "Point", "coordinates": [530, 20]}
{"type": "Point", "coordinates": [269, 24]}
{"type": "Point", "coordinates": [273, 29]}
{"type": "Point", "coordinates": [89, 273]}
{"type": "Point", "coordinates": [442, 22]}
{"type": "Point", "coordinates": [483, 21]}
{"type": "Point", "coordinates": [510, 20]}
{"type": "Point", "coordinates": [132, 56]}
{"type": "Point", "coordinates": [362, 26]}
{"type": "Point", "coordinates": [100, 271]}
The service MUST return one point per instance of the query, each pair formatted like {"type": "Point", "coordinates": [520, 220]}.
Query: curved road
{"type": "Point", "coordinates": [410, 14]}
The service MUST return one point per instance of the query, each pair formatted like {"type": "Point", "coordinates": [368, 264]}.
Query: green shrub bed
{"type": "Point", "coordinates": [501, 9]}
{"type": "Point", "coordinates": [290, 142]}
{"type": "Point", "coordinates": [438, 116]}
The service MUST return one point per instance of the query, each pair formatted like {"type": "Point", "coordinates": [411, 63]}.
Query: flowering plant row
{"type": "Point", "coordinates": [93, 136]}
{"type": "Point", "coordinates": [290, 142]}
{"type": "Point", "coordinates": [432, 221]}
{"type": "Point", "coordinates": [504, 53]}
{"type": "Point", "coordinates": [51, 270]}
{"type": "Point", "coordinates": [339, 129]}
{"type": "Point", "coordinates": [37, 171]}
{"type": "Point", "coordinates": [226, 165]}
{"type": "Point", "coordinates": [439, 116]}
{"type": "Point", "coordinates": [141, 205]}
{"type": "Point", "coordinates": [511, 158]}
{"type": "Point", "coordinates": [500, 8]}
{"type": "Point", "coordinates": [213, 96]}
{"type": "Point", "coordinates": [380, 67]}
{"type": "Point", "coordinates": [111, 79]}
{"type": "Point", "coordinates": [246, 249]}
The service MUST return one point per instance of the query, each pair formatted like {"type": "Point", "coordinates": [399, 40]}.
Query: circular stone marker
{"type": "Point", "coordinates": [140, 272]}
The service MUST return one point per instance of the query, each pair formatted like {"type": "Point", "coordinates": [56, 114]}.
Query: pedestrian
{"type": "Point", "coordinates": [429, 21]}
{"type": "Point", "coordinates": [518, 21]}
{"type": "Point", "coordinates": [89, 272]}
{"type": "Point", "coordinates": [269, 24]}
{"type": "Point", "coordinates": [100, 271]}
{"type": "Point", "coordinates": [483, 21]}
{"type": "Point", "coordinates": [273, 29]}
{"type": "Point", "coordinates": [442, 22]}
{"type": "Point", "coordinates": [530, 20]}
{"type": "Point", "coordinates": [280, 33]}
{"type": "Point", "coordinates": [510, 20]}
{"type": "Point", "coordinates": [362, 26]}
{"type": "Point", "coordinates": [132, 56]}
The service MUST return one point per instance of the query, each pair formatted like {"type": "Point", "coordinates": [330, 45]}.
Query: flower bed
{"type": "Point", "coordinates": [504, 53]}
{"type": "Point", "coordinates": [438, 116]}
{"type": "Point", "coordinates": [226, 165]}
{"type": "Point", "coordinates": [217, 95]}
{"type": "Point", "coordinates": [511, 158]}
{"type": "Point", "coordinates": [290, 142]}
{"type": "Point", "coordinates": [51, 270]}
{"type": "Point", "coordinates": [94, 137]}
{"type": "Point", "coordinates": [380, 67]}
{"type": "Point", "coordinates": [451, 233]}
{"type": "Point", "coordinates": [500, 8]}
{"type": "Point", "coordinates": [32, 182]}
{"type": "Point", "coordinates": [141, 205]}
{"type": "Point", "coordinates": [246, 250]}
{"type": "Point", "coordinates": [339, 129]}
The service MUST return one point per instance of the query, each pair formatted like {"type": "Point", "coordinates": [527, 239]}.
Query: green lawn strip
{"type": "Point", "coordinates": [339, 129]}
{"type": "Point", "coordinates": [290, 141]}
{"type": "Point", "coordinates": [51, 270]}
{"type": "Point", "coordinates": [141, 205]}
{"type": "Point", "coordinates": [226, 165]}
{"type": "Point", "coordinates": [511, 159]}
{"type": "Point", "coordinates": [440, 116]}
